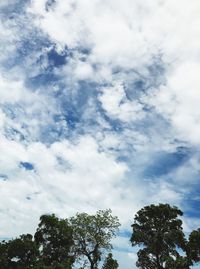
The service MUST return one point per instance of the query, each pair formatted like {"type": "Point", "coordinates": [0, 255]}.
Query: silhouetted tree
{"type": "Point", "coordinates": [158, 230]}
{"type": "Point", "coordinates": [194, 245]}
{"type": "Point", "coordinates": [54, 238]}
{"type": "Point", "coordinates": [19, 253]}
{"type": "Point", "coordinates": [92, 235]}
{"type": "Point", "coordinates": [110, 263]}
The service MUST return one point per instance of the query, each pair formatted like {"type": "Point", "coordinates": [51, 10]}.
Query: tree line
{"type": "Point", "coordinates": [84, 241]}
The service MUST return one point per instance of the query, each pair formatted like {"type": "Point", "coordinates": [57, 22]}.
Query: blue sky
{"type": "Point", "coordinates": [99, 108]}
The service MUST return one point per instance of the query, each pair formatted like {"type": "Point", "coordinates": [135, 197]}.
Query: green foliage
{"type": "Point", "coordinates": [178, 263]}
{"type": "Point", "coordinates": [54, 238]}
{"type": "Point", "coordinates": [159, 231]}
{"type": "Point", "coordinates": [20, 253]}
{"type": "Point", "coordinates": [110, 263]}
{"type": "Point", "coordinates": [92, 235]}
{"type": "Point", "coordinates": [194, 246]}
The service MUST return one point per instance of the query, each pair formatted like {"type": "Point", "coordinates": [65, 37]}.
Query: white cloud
{"type": "Point", "coordinates": [8, 41]}
{"type": "Point", "coordinates": [178, 101]}
{"type": "Point", "coordinates": [2, 119]}
{"type": "Point", "coordinates": [80, 183]}
{"type": "Point", "coordinates": [117, 106]}
{"type": "Point", "coordinates": [11, 91]}
{"type": "Point", "coordinates": [12, 154]}
{"type": "Point", "coordinates": [83, 71]}
{"type": "Point", "coordinates": [124, 33]}
{"type": "Point", "coordinates": [126, 259]}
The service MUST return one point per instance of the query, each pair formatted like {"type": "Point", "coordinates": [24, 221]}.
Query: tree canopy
{"type": "Point", "coordinates": [54, 239]}
{"type": "Point", "coordinates": [19, 253]}
{"type": "Point", "coordinates": [92, 235]}
{"type": "Point", "coordinates": [158, 230]}
{"type": "Point", "coordinates": [110, 263]}
{"type": "Point", "coordinates": [194, 245]}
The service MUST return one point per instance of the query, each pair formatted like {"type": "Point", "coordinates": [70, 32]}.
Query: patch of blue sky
{"type": "Point", "coordinates": [14, 7]}
{"type": "Point", "coordinates": [191, 202]}
{"type": "Point", "coordinates": [20, 131]}
{"type": "Point", "coordinates": [138, 84]}
{"type": "Point", "coordinates": [152, 124]}
{"type": "Point", "coordinates": [28, 45]}
{"type": "Point", "coordinates": [85, 51]}
{"type": "Point", "coordinates": [27, 165]}
{"type": "Point", "coordinates": [48, 132]}
{"type": "Point", "coordinates": [45, 64]}
{"type": "Point", "coordinates": [15, 112]}
{"type": "Point", "coordinates": [125, 233]}
{"type": "Point", "coordinates": [42, 80]}
{"type": "Point", "coordinates": [135, 88]}
{"type": "Point", "coordinates": [57, 59]}
{"type": "Point", "coordinates": [123, 249]}
{"type": "Point", "coordinates": [15, 134]}
{"type": "Point", "coordinates": [31, 46]}
{"type": "Point", "coordinates": [11, 110]}
{"type": "Point", "coordinates": [49, 4]}
{"type": "Point", "coordinates": [52, 133]}
{"type": "Point", "coordinates": [5, 238]}
{"type": "Point", "coordinates": [123, 158]}
{"type": "Point", "coordinates": [196, 266]}
{"type": "Point", "coordinates": [115, 125]}
{"type": "Point", "coordinates": [157, 71]}
{"type": "Point", "coordinates": [85, 90]}
{"type": "Point", "coordinates": [74, 112]}
{"type": "Point", "coordinates": [72, 117]}
{"type": "Point", "coordinates": [3, 177]}
{"type": "Point", "coordinates": [164, 162]}
{"type": "Point", "coordinates": [63, 164]}
{"type": "Point", "coordinates": [74, 105]}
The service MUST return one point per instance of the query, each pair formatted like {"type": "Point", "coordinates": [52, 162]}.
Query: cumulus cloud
{"type": "Point", "coordinates": [117, 106]}
{"type": "Point", "coordinates": [178, 101]}
{"type": "Point", "coordinates": [61, 176]}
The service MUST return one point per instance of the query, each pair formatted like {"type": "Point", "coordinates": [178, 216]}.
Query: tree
{"type": "Point", "coordinates": [92, 235]}
{"type": "Point", "coordinates": [54, 238]}
{"type": "Point", "coordinates": [19, 253]}
{"type": "Point", "coordinates": [158, 230]}
{"type": "Point", "coordinates": [194, 246]}
{"type": "Point", "coordinates": [110, 263]}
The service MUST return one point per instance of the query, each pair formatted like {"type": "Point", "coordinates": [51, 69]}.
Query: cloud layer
{"type": "Point", "coordinates": [99, 108]}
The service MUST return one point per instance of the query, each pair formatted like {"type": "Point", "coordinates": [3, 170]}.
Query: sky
{"type": "Point", "coordinates": [99, 108]}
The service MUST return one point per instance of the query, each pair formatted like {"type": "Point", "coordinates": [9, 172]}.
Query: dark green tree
{"type": "Point", "coordinates": [110, 263]}
{"type": "Point", "coordinates": [54, 239]}
{"type": "Point", "coordinates": [19, 253]}
{"type": "Point", "coordinates": [194, 245]}
{"type": "Point", "coordinates": [92, 236]}
{"type": "Point", "coordinates": [158, 230]}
